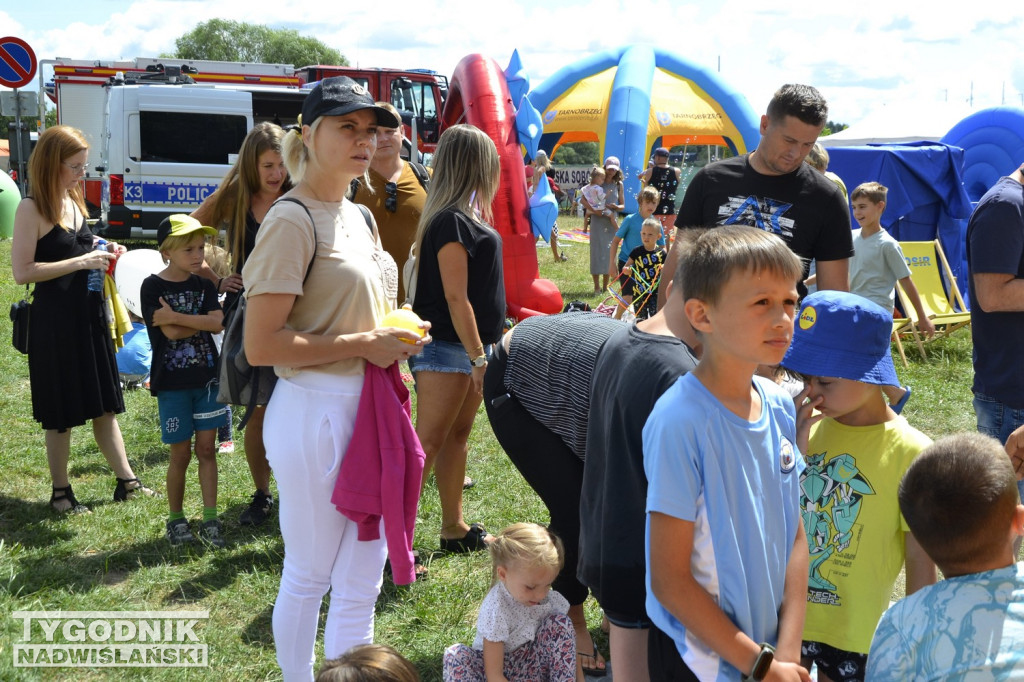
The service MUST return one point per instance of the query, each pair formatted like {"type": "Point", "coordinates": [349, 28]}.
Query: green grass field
{"type": "Point", "coordinates": [116, 559]}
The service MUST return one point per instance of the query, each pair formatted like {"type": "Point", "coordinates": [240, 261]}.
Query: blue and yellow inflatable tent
{"type": "Point", "coordinates": [635, 98]}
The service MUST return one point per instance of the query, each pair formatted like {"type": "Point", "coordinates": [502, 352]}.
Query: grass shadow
{"type": "Point", "coordinates": [221, 571]}
{"type": "Point", "coordinates": [259, 630]}
{"type": "Point", "coordinates": [30, 523]}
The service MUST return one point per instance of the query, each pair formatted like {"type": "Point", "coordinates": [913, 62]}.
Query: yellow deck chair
{"type": "Point", "coordinates": [945, 308]}
{"type": "Point", "coordinates": [899, 323]}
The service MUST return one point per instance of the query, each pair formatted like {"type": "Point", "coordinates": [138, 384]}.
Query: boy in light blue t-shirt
{"type": "Point", "coordinates": [727, 554]}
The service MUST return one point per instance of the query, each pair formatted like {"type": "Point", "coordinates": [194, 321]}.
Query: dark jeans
{"type": "Point", "coordinates": [553, 471]}
{"type": "Point", "coordinates": [999, 421]}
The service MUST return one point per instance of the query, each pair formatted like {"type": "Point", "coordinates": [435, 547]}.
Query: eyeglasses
{"type": "Point", "coordinates": [77, 168]}
{"type": "Point", "coordinates": [391, 203]}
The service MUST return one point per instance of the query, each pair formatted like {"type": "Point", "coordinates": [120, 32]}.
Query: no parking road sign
{"type": "Point", "coordinates": [17, 63]}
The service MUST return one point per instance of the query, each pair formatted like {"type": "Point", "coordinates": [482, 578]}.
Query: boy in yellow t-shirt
{"type": "Point", "coordinates": [857, 450]}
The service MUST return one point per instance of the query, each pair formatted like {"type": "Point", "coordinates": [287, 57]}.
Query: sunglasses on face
{"type": "Point", "coordinates": [391, 202]}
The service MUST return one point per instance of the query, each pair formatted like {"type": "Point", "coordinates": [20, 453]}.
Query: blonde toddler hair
{"type": "Point", "coordinates": [526, 544]}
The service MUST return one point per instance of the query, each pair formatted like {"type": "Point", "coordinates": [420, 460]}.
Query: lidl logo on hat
{"type": "Point", "coordinates": [808, 316]}
{"type": "Point", "coordinates": [787, 459]}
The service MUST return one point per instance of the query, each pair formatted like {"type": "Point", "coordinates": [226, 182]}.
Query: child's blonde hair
{"type": "Point", "coordinates": [218, 259]}
{"type": "Point", "coordinates": [874, 192]}
{"type": "Point", "coordinates": [817, 158]}
{"type": "Point", "coordinates": [650, 194]}
{"type": "Point", "coordinates": [653, 224]}
{"type": "Point", "coordinates": [596, 172]}
{"type": "Point", "coordinates": [179, 241]}
{"type": "Point", "coordinates": [368, 663]}
{"type": "Point", "coordinates": [526, 544]}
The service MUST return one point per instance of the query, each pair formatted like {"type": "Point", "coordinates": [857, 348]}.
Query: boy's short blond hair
{"type": "Point", "coordinates": [649, 194]}
{"type": "Point", "coordinates": [874, 192]}
{"type": "Point", "coordinates": [959, 497]}
{"type": "Point", "coordinates": [651, 224]}
{"type": "Point", "coordinates": [717, 254]}
{"type": "Point", "coordinates": [173, 242]}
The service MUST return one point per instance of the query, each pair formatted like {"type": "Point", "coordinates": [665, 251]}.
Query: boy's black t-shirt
{"type": "Point", "coordinates": [180, 363]}
{"type": "Point", "coordinates": [647, 266]}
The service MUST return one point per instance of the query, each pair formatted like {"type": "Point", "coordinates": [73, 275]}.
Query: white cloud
{"type": "Point", "coordinates": [860, 55]}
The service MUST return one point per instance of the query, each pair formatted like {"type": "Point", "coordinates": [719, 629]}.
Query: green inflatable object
{"type": "Point", "coordinates": [10, 196]}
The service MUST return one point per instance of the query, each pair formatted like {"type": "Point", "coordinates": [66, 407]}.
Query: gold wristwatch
{"type": "Point", "coordinates": [479, 361]}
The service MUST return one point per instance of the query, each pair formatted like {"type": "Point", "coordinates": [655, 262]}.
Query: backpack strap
{"type": "Point", "coordinates": [353, 187]}
{"type": "Point", "coordinates": [293, 200]}
{"type": "Point", "coordinates": [421, 174]}
{"type": "Point", "coordinates": [366, 216]}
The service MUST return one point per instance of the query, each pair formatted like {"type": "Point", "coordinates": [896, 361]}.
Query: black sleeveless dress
{"type": "Point", "coordinates": [71, 361]}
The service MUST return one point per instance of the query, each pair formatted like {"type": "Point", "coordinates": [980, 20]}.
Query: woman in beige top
{"type": "Point", "coordinates": [319, 333]}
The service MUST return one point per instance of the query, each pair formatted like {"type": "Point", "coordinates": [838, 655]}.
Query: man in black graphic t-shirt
{"type": "Point", "coordinates": [773, 189]}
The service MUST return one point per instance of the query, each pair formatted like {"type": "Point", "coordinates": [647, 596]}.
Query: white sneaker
{"type": "Point", "coordinates": [227, 447]}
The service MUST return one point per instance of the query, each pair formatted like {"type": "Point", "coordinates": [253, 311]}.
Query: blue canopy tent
{"type": "Point", "coordinates": [926, 198]}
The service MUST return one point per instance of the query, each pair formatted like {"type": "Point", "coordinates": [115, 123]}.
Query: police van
{"type": "Point", "coordinates": [162, 137]}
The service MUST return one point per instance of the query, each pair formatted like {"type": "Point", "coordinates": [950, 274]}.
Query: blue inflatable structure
{"type": "Point", "coordinates": [993, 144]}
{"type": "Point", "coordinates": [635, 98]}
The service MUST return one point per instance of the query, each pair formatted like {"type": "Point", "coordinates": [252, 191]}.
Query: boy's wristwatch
{"type": "Point", "coordinates": [762, 663]}
{"type": "Point", "coordinates": [479, 361]}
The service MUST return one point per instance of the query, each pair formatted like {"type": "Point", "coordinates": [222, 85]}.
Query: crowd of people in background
{"type": "Point", "coordinates": [728, 474]}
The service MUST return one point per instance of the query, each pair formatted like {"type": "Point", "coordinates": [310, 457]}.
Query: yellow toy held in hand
{"type": "Point", "coordinates": [404, 318]}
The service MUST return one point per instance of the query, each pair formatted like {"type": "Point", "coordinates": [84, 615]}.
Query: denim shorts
{"type": "Point", "coordinates": [627, 622]}
{"type": "Point", "coordinates": [443, 356]}
{"type": "Point", "coordinates": [187, 411]}
{"type": "Point", "coordinates": [998, 420]}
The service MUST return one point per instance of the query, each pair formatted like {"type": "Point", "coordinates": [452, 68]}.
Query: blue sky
{"type": "Point", "coordinates": [910, 55]}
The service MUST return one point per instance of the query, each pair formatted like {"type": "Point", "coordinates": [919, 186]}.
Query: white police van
{"type": "Point", "coordinates": [161, 142]}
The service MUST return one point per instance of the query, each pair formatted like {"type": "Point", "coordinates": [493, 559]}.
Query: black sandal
{"type": "Point", "coordinates": [472, 541]}
{"type": "Point", "coordinates": [421, 571]}
{"type": "Point", "coordinates": [66, 494]}
{"type": "Point", "coordinates": [122, 492]}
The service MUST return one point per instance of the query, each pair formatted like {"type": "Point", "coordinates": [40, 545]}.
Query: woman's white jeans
{"type": "Point", "coordinates": [308, 425]}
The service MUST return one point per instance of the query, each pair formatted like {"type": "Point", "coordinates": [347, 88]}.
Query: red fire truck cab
{"type": "Point", "coordinates": [418, 93]}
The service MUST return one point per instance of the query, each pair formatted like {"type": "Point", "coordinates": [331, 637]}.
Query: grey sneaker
{"type": "Point", "coordinates": [212, 532]}
{"type": "Point", "coordinates": [258, 510]}
{"type": "Point", "coordinates": [178, 532]}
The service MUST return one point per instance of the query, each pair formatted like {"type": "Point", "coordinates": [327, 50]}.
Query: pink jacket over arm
{"type": "Point", "coordinates": [382, 469]}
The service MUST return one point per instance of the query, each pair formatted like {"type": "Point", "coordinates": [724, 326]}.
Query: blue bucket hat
{"type": "Point", "coordinates": [845, 336]}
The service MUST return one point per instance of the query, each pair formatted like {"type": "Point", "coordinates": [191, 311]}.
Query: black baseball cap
{"type": "Point", "coordinates": [341, 95]}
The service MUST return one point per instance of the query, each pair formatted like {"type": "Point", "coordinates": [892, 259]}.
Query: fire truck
{"type": "Point", "coordinates": [164, 132]}
{"type": "Point", "coordinates": [419, 94]}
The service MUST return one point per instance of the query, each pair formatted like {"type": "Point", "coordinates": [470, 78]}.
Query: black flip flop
{"type": "Point", "coordinates": [592, 672]}
{"type": "Point", "coordinates": [472, 541]}
{"type": "Point", "coordinates": [421, 571]}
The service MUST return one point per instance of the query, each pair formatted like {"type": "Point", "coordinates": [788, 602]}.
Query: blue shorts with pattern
{"type": "Point", "coordinates": [187, 411]}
